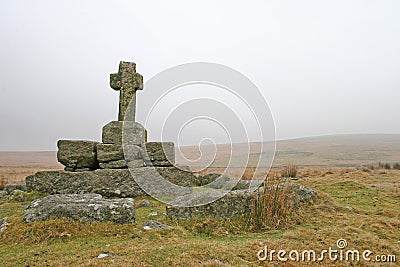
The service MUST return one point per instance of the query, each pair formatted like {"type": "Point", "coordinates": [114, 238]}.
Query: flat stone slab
{"type": "Point", "coordinates": [233, 203]}
{"type": "Point", "coordinates": [110, 152]}
{"type": "Point", "coordinates": [77, 154]}
{"type": "Point", "coordinates": [110, 182]}
{"type": "Point", "coordinates": [82, 208]}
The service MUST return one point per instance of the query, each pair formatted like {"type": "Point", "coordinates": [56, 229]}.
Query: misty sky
{"type": "Point", "coordinates": [325, 67]}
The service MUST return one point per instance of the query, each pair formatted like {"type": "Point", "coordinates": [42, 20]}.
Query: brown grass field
{"type": "Point", "coordinates": [354, 203]}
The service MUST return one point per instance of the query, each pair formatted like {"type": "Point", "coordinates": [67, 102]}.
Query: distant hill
{"type": "Point", "coordinates": [321, 151]}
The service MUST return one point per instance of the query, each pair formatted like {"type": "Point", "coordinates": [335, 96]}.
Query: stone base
{"type": "Point", "coordinates": [109, 182]}
{"type": "Point", "coordinates": [82, 208]}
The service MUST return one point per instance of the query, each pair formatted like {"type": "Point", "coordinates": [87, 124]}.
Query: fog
{"type": "Point", "coordinates": [325, 67]}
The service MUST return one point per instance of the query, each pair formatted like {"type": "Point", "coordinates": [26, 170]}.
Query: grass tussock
{"type": "Point", "coordinates": [3, 182]}
{"type": "Point", "coordinates": [271, 208]}
{"type": "Point", "coordinates": [248, 173]}
{"type": "Point", "coordinates": [289, 171]}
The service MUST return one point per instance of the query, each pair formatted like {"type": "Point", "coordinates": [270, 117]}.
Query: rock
{"type": "Point", "coordinates": [104, 255]}
{"type": "Point", "coordinates": [135, 133]}
{"type": "Point", "coordinates": [213, 180]}
{"type": "Point", "coordinates": [77, 155]}
{"type": "Point", "coordinates": [122, 164]}
{"type": "Point", "coordinates": [289, 179]}
{"type": "Point", "coordinates": [145, 203]}
{"type": "Point", "coordinates": [3, 194]}
{"type": "Point", "coordinates": [3, 224]}
{"type": "Point", "coordinates": [82, 208]}
{"type": "Point", "coordinates": [117, 164]}
{"type": "Point", "coordinates": [237, 185]}
{"type": "Point", "coordinates": [233, 204]}
{"type": "Point", "coordinates": [300, 193]}
{"type": "Point", "coordinates": [18, 195]}
{"type": "Point", "coordinates": [159, 154]}
{"type": "Point", "coordinates": [109, 182]}
{"type": "Point", "coordinates": [9, 188]}
{"type": "Point", "coordinates": [177, 176]}
{"type": "Point", "coordinates": [151, 224]}
{"type": "Point", "coordinates": [349, 208]}
{"type": "Point", "coordinates": [110, 152]}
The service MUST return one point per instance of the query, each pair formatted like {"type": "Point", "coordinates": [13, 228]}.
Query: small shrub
{"type": "Point", "coordinates": [396, 166]}
{"type": "Point", "coordinates": [380, 165]}
{"type": "Point", "coordinates": [290, 171]}
{"type": "Point", "coordinates": [270, 207]}
{"type": "Point", "coordinates": [3, 182]}
{"type": "Point", "coordinates": [371, 167]}
{"type": "Point", "coordinates": [385, 166]}
{"type": "Point", "coordinates": [248, 173]}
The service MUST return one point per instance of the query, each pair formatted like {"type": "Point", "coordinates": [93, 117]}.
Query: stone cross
{"type": "Point", "coordinates": [127, 81]}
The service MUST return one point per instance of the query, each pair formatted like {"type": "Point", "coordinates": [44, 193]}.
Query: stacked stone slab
{"type": "Point", "coordinates": [77, 155]}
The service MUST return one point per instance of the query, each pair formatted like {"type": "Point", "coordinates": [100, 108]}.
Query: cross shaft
{"type": "Point", "coordinates": [127, 81]}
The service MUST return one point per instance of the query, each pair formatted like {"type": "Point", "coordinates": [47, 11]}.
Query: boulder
{"type": "Point", "coordinates": [77, 155]}
{"type": "Point", "coordinates": [159, 154]}
{"type": "Point", "coordinates": [110, 182]}
{"type": "Point", "coordinates": [234, 203]}
{"type": "Point", "coordinates": [213, 180]}
{"type": "Point", "coordinates": [3, 194]}
{"type": "Point", "coordinates": [299, 193]}
{"type": "Point", "coordinates": [237, 185]}
{"type": "Point", "coordinates": [134, 133]}
{"type": "Point", "coordinates": [82, 208]}
{"type": "Point", "coordinates": [9, 188]}
{"type": "Point", "coordinates": [176, 176]}
{"type": "Point", "coordinates": [145, 203]}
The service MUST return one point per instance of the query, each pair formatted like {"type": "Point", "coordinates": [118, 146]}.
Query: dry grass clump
{"type": "Point", "coordinates": [270, 206]}
{"type": "Point", "coordinates": [248, 173]}
{"type": "Point", "coordinates": [385, 166]}
{"type": "Point", "coordinates": [289, 171]}
{"type": "Point", "coordinates": [3, 182]}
